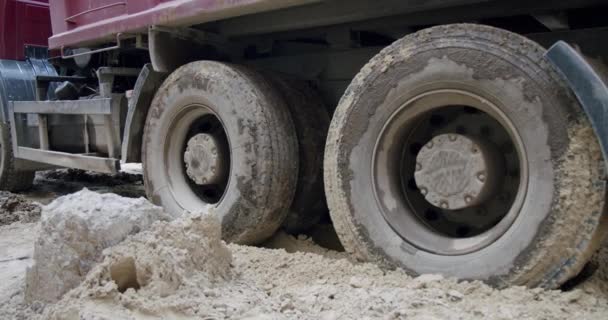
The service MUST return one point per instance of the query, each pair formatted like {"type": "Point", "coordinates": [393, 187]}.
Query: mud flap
{"type": "Point", "coordinates": [588, 87]}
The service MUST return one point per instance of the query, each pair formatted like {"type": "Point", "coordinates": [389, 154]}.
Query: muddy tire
{"type": "Point", "coordinates": [547, 218]}
{"type": "Point", "coordinates": [11, 179]}
{"type": "Point", "coordinates": [311, 122]}
{"type": "Point", "coordinates": [219, 139]}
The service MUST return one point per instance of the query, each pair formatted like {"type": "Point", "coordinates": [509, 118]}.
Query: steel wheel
{"type": "Point", "coordinates": [453, 162]}
{"type": "Point", "coordinates": [197, 153]}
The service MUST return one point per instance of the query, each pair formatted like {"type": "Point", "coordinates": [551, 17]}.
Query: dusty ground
{"type": "Point", "coordinates": [288, 278]}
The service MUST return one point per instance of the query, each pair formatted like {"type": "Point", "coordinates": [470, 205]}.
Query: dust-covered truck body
{"type": "Point", "coordinates": [459, 137]}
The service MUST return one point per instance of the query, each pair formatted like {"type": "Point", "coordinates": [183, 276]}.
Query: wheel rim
{"type": "Point", "coordinates": [482, 211]}
{"type": "Point", "coordinates": [197, 153]}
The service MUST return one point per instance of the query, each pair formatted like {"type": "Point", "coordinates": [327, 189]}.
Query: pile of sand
{"type": "Point", "coordinates": [182, 270]}
{"type": "Point", "coordinates": [262, 283]}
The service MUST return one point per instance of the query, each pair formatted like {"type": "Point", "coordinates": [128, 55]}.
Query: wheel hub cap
{"type": "Point", "coordinates": [203, 159]}
{"type": "Point", "coordinates": [455, 171]}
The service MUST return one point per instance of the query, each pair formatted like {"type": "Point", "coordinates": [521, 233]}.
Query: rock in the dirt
{"type": "Point", "coordinates": [14, 207]}
{"type": "Point", "coordinates": [455, 295]}
{"type": "Point", "coordinates": [74, 231]}
{"type": "Point", "coordinates": [423, 280]}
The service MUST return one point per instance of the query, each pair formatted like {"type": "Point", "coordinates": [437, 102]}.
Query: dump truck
{"type": "Point", "coordinates": [461, 137]}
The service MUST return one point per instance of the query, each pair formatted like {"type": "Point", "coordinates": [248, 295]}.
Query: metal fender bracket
{"type": "Point", "coordinates": [588, 87]}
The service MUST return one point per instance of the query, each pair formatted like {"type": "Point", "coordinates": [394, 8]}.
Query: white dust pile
{"type": "Point", "coordinates": [184, 271]}
{"type": "Point", "coordinates": [74, 230]}
{"type": "Point", "coordinates": [167, 270]}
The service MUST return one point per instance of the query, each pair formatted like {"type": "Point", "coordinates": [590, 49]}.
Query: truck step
{"type": "Point", "coordinates": [69, 160]}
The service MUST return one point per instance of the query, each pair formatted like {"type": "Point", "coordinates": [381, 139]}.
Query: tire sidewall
{"type": "Point", "coordinates": [229, 95]}
{"type": "Point", "coordinates": [311, 122]}
{"type": "Point", "coordinates": [523, 91]}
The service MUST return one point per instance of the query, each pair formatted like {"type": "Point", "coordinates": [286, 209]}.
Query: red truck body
{"type": "Point", "coordinates": [23, 23]}
{"type": "Point", "coordinates": [82, 22]}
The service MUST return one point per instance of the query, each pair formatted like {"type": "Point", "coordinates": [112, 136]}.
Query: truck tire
{"type": "Point", "coordinates": [311, 122]}
{"type": "Point", "coordinates": [219, 139]}
{"type": "Point", "coordinates": [458, 150]}
{"type": "Point", "coordinates": [11, 179]}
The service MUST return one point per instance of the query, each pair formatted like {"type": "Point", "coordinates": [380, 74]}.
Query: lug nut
{"type": "Point", "coordinates": [452, 137]}
{"type": "Point", "coordinates": [481, 177]}
{"type": "Point", "coordinates": [444, 205]}
{"type": "Point", "coordinates": [468, 199]}
{"type": "Point", "coordinates": [423, 191]}
{"type": "Point", "coordinates": [418, 166]}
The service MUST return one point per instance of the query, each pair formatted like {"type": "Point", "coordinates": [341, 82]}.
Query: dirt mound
{"type": "Point", "coordinates": [74, 231]}
{"type": "Point", "coordinates": [262, 283]}
{"type": "Point", "coordinates": [14, 207]}
{"type": "Point", "coordinates": [182, 270]}
{"type": "Point", "coordinates": [162, 271]}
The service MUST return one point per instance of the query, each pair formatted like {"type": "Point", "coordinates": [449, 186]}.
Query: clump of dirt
{"type": "Point", "coordinates": [74, 231]}
{"type": "Point", "coordinates": [166, 270]}
{"type": "Point", "coordinates": [14, 208]}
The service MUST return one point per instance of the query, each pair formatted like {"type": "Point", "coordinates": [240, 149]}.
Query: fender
{"type": "Point", "coordinates": [588, 87]}
{"type": "Point", "coordinates": [146, 85]}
